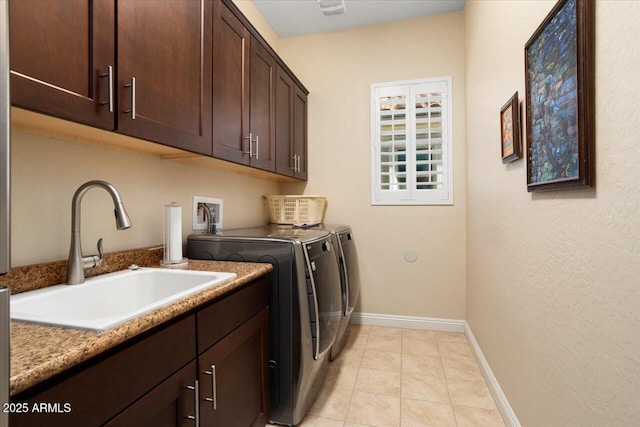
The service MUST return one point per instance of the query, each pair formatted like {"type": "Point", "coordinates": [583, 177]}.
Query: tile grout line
{"type": "Point", "coordinates": [446, 381]}
{"type": "Point", "coordinates": [403, 349]}
{"type": "Point", "coordinates": [353, 390]}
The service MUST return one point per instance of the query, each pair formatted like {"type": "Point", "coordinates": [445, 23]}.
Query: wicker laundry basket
{"type": "Point", "coordinates": [296, 209]}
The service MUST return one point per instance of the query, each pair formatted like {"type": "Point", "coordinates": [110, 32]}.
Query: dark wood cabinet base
{"type": "Point", "coordinates": [153, 379]}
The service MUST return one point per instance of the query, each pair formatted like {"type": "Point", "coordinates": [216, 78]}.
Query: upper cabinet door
{"type": "Point", "coordinates": [300, 131]}
{"type": "Point", "coordinates": [164, 72]}
{"type": "Point", "coordinates": [291, 127]}
{"type": "Point", "coordinates": [285, 158]}
{"type": "Point", "coordinates": [231, 68]}
{"type": "Point", "coordinates": [262, 114]}
{"type": "Point", "coordinates": [62, 57]}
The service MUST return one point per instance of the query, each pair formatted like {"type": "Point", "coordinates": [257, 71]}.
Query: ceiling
{"type": "Point", "coordinates": [290, 18]}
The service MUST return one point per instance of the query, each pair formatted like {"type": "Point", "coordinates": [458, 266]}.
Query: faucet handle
{"type": "Point", "coordinates": [100, 253]}
{"type": "Point", "coordinates": [92, 261]}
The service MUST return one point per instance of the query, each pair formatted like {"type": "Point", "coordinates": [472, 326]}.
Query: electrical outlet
{"type": "Point", "coordinates": [199, 220]}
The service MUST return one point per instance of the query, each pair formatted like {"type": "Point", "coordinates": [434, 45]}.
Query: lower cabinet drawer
{"type": "Point", "coordinates": [95, 394]}
{"type": "Point", "coordinates": [223, 316]}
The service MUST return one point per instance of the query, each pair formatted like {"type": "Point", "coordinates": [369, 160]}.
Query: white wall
{"type": "Point", "coordinates": [552, 279]}
{"type": "Point", "coordinates": [338, 68]}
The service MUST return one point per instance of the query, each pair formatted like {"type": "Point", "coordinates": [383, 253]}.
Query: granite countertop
{"type": "Point", "coordinates": [39, 352]}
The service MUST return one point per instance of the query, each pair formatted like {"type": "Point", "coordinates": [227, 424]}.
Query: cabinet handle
{"type": "Point", "coordinates": [257, 147]}
{"type": "Point", "coordinates": [196, 391]}
{"type": "Point", "coordinates": [250, 138]}
{"type": "Point", "coordinates": [132, 85]}
{"type": "Point", "coordinates": [252, 153]}
{"type": "Point", "coordinates": [294, 163]}
{"type": "Point", "coordinates": [109, 76]}
{"type": "Point", "coordinates": [214, 388]}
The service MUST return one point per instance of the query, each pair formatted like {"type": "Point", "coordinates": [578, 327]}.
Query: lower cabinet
{"type": "Point", "coordinates": [172, 403]}
{"type": "Point", "coordinates": [232, 377]}
{"type": "Point", "coordinates": [92, 394]}
{"type": "Point", "coordinates": [207, 369]}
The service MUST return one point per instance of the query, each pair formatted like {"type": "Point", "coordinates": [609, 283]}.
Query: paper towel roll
{"type": "Point", "coordinates": [172, 233]}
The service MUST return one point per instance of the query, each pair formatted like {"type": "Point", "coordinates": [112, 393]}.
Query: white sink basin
{"type": "Point", "coordinates": [108, 300]}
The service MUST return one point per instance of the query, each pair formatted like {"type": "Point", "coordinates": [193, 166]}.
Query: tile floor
{"type": "Point", "coordinates": [390, 377]}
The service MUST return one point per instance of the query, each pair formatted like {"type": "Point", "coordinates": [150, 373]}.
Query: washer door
{"type": "Point", "coordinates": [350, 260]}
{"type": "Point", "coordinates": [324, 292]}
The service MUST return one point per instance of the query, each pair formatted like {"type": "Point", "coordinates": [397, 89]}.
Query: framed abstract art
{"type": "Point", "coordinates": [559, 104]}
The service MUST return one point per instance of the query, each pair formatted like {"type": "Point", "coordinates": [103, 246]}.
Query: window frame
{"type": "Point", "coordinates": [411, 195]}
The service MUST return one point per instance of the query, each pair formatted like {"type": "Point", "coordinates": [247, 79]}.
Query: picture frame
{"type": "Point", "coordinates": [510, 130]}
{"type": "Point", "coordinates": [559, 99]}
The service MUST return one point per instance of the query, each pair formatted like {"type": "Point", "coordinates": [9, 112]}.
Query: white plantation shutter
{"type": "Point", "coordinates": [411, 150]}
{"type": "Point", "coordinates": [392, 141]}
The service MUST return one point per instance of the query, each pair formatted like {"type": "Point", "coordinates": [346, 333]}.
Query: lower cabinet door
{"type": "Point", "coordinates": [234, 377]}
{"type": "Point", "coordinates": [170, 404]}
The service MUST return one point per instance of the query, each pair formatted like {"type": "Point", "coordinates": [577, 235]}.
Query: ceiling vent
{"type": "Point", "coordinates": [332, 7]}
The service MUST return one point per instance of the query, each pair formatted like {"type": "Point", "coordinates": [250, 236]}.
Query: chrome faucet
{"type": "Point", "coordinates": [77, 263]}
{"type": "Point", "coordinates": [210, 217]}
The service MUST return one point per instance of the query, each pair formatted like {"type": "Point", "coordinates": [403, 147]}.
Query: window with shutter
{"type": "Point", "coordinates": [411, 161]}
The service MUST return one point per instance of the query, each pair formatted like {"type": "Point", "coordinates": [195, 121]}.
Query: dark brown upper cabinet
{"type": "Point", "coordinates": [164, 72]}
{"type": "Point", "coordinates": [243, 93]}
{"type": "Point", "coordinates": [190, 74]}
{"type": "Point", "coordinates": [291, 127]}
{"type": "Point", "coordinates": [62, 59]}
{"type": "Point", "coordinates": [262, 108]}
{"type": "Point", "coordinates": [158, 88]}
{"type": "Point", "coordinates": [300, 131]}
{"type": "Point", "coordinates": [231, 68]}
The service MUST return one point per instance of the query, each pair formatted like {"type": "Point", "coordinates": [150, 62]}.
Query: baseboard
{"type": "Point", "coordinates": [446, 325]}
{"type": "Point", "coordinates": [409, 322]}
{"type": "Point", "coordinates": [508, 416]}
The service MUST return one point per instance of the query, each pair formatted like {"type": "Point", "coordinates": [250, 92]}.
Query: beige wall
{"type": "Point", "coordinates": [338, 69]}
{"type": "Point", "coordinates": [47, 172]}
{"type": "Point", "coordinates": [257, 20]}
{"type": "Point", "coordinates": [552, 293]}
{"type": "Point", "coordinates": [551, 279]}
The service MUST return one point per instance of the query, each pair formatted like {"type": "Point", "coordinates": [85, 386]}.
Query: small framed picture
{"type": "Point", "coordinates": [511, 144]}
